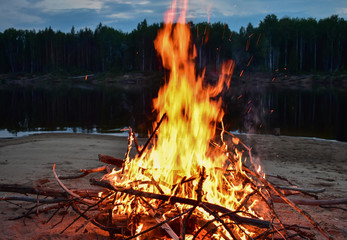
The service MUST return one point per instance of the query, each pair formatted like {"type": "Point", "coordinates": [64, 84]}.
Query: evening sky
{"type": "Point", "coordinates": [124, 15]}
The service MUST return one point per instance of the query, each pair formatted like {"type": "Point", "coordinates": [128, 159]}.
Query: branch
{"type": "Point", "coordinates": [304, 190]}
{"type": "Point", "coordinates": [33, 200]}
{"type": "Point", "coordinates": [152, 135]}
{"type": "Point", "coordinates": [86, 172]}
{"type": "Point", "coordinates": [16, 188]}
{"type": "Point", "coordinates": [312, 202]}
{"type": "Point", "coordinates": [111, 160]}
{"type": "Point", "coordinates": [232, 215]}
{"type": "Point", "coordinates": [87, 201]}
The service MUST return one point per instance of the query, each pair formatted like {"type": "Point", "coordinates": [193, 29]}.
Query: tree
{"type": "Point", "coordinates": [269, 29]}
{"type": "Point", "coordinates": [299, 45]}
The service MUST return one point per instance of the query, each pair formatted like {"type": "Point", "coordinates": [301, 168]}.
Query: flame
{"type": "Point", "coordinates": [182, 147]}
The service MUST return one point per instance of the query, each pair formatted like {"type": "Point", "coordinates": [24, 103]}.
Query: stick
{"type": "Point", "coordinates": [135, 141]}
{"type": "Point", "coordinates": [130, 142]}
{"type": "Point", "coordinates": [30, 190]}
{"type": "Point", "coordinates": [31, 211]}
{"type": "Point", "coordinates": [87, 201]}
{"type": "Point", "coordinates": [305, 190]}
{"type": "Point", "coordinates": [312, 202]}
{"type": "Point", "coordinates": [158, 225]}
{"type": "Point", "coordinates": [207, 209]}
{"type": "Point", "coordinates": [232, 215]}
{"type": "Point", "coordinates": [33, 200]}
{"type": "Point", "coordinates": [99, 225]}
{"type": "Point", "coordinates": [284, 198]}
{"type": "Point", "coordinates": [86, 172]}
{"type": "Point", "coordinates": [293, 205]}
{"type": "Point", "coordinates": [89, 207]}
{"type": "Point", "coordinates": [111, 160]}
{"type": "Point", "coordinates": [199, 197]}
{"type": "Point", "coordinates": [164, 226]}
{"type": "Point", "coordinates": [152, 135]}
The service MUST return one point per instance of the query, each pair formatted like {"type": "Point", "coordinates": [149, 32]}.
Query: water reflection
{"type": "Point", "coordinates": [100, 109]}
{"type": "Point", "coordinates": [295, 112]}
{"type": "Point", "coordinates": [81, 109]}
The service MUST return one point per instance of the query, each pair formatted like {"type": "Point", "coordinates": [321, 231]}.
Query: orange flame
{"type": "Point", "coordinates": [193, 109]}
{"type": "Point", "coordinates": [183, 140]}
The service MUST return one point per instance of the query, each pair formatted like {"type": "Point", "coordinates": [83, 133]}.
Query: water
{"type": "Point", "coordinates": [83, 107]}
{"type": "Point", "coordinates": [294, 112]}
{"type": "Point", "coordinates": [106, 109]}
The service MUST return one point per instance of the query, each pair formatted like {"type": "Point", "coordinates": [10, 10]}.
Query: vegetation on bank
{"type": "Point", "coordinates": [289, 45]}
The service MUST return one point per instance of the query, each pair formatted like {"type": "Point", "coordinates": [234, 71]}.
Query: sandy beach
{"type": "Point", "coordinates": [307, 163]}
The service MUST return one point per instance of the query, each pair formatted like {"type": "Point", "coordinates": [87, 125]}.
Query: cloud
{"type": "Point", "coordinates": [144, 3]}
{"type": "Point", "coordinates": [120, 15]}
{"type": "Point", "coordinates": [120, 10]}
{"type": "Point", "coordinates": [341, 11]}
{"type": "Point", "coordinates": [17, 12]}
{"type": "Point", "coordinates": [61, 5]}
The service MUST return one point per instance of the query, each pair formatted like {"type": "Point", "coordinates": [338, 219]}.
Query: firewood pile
{"type": "Point", "coordinates": [153, 209]}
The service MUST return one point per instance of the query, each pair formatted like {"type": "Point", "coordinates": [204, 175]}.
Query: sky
{"type": "Point", "coordinates": [124, 15]}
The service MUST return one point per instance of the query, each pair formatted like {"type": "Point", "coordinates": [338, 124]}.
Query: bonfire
{"type": "Point", "coordinates": [192, 179]}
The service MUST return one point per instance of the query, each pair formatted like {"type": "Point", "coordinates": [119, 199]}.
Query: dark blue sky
{"type": "Point", "coordinates": [126, 14]}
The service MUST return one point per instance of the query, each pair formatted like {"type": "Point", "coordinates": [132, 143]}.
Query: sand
{"type": "Point", "coordinates": [307, 163]}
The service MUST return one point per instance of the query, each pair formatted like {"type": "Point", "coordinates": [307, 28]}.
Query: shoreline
{"type": "Point", "coordinates": [5, 134]}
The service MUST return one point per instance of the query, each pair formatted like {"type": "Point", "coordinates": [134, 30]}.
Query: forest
{"type": "Point", "coordinates": [293, 45]}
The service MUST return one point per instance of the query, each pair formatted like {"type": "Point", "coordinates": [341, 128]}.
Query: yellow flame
{"type": "Point", "coordinates": [193, 109]}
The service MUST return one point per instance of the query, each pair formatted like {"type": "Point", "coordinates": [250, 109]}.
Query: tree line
{"type": "Point", "coordinates": [287, 44]}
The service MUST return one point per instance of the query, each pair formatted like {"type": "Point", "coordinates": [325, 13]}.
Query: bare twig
{"type": "Point", "coordinates": [30, 190]}
{"type": "Point", "coordinates": [152, 135]}
{"type": "Point", "coordinates": [312, 202]}
{"type": "Point", "coordinates": [88, 208]}
{"type": "Point", "coordinates": [87, 201]}
{"type": "Point", "coordinates": [135, 141]}
{"type": "Point", "coordinates": [33, 200]}
{"type": "Point", "coordinates": [302, 212]}
{"type": "Point", "coordinates": [279, 193]}
{"type": "Point", "coordinates": [304, 190]}
{"type": "Point", "coordinates": [85, 172]}
{"type": "Point", "coordinates": [130, 142]}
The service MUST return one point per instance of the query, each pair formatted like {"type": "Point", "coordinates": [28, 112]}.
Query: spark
{"type": "Point", "coordinates": [249, 62]}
